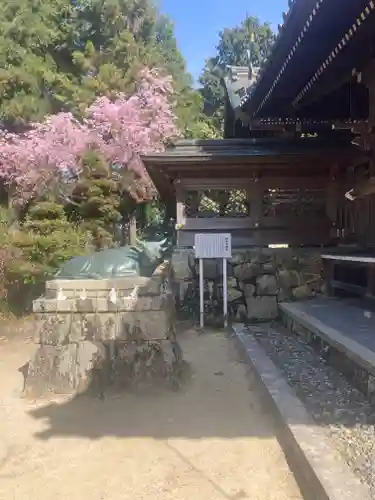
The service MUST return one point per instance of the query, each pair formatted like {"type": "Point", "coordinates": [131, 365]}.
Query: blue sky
{"type": "Point", "coordinates": [198, 22]}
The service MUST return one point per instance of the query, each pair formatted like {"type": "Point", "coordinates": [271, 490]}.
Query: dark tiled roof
{"type": "Point", "coordinates": [190, 149]}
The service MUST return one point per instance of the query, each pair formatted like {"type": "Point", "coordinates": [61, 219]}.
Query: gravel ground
{"type": "Point", "coordinates": [210, 441]}
{"type": "Point", "coordinates": [331, 400]}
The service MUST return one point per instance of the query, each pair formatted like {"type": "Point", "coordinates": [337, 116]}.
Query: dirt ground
{"type": "Point", "coordinates": [210, 441]}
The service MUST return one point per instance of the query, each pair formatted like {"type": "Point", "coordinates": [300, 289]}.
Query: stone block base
{"type": "Point", "coordinates": [104, 337]}
{"type": "Point", "coordinates": [88, 367]}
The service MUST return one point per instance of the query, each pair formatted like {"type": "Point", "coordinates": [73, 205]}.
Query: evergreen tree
{"type": "Point", "coordinates": [59, 55]}
{"type": "Point", "coordinates": [250, 38]}
{"type": "Point", "coordinates": [95, 200]}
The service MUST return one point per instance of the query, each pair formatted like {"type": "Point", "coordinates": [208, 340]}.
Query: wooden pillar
{"type": "Point", "coordinates": [369, 79]}
{"type": "Point", "coordinates": [332, 201]}
{"type": "Point", "coordinates": [180, 203]}
{"type": "Point", "coordinates": [328, 275]}
{"type": "Point", "coordinates": [371, 280]}
{"type": "Point", "coordinates": [180, 208]}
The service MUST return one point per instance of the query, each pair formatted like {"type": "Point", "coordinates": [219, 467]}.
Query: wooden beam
{"type": "Point", "coordinates": [280, 161]}
{"type": "Point", "coordinates": [316, 182]}
{"type": "Point", "coordinates": [246, 238]}
{"type": "Point", "coordinates": [255, 222]}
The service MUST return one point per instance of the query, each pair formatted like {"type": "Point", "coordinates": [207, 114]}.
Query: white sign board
{"type": "Point", "coordinates": [213, 246]}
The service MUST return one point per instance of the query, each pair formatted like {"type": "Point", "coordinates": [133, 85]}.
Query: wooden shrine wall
{"type": "Point", "coordinates": [354, 221]}
{"type": "Point", "coordinates": [267, 211]}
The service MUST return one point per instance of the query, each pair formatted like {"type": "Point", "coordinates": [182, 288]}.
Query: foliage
{"type": "Point", "coordinates": [60, 56]}
{"type": "Point", "coordinates": [248, 43]}
{"type": "Point", "coordinates": [47, 156]}
{"type": "Point", "coordinates": [95, 200]}
{"type": "Point", "coordinates": [43, 242]}
{"type": "Point", "coordinates": [32, 251]}
{"type": "Point", "coordinates": [85, 88]}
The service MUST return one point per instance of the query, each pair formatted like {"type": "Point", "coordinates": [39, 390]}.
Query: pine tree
{"type": "Point", "coordinates": [95, 200]}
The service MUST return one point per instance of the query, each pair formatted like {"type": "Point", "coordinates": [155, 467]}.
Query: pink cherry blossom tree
{"type": "Point", "coordinates": [121, 129]}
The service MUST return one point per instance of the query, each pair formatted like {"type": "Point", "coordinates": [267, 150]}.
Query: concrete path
{"type": "Point", "coordinates": [210, 442]}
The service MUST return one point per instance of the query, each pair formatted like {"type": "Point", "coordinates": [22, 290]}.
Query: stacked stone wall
{"type": "Point", "coordinates": [258, 279]}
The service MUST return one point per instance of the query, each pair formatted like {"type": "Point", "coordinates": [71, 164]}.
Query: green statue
{"type": "Point", "coordinates": [138, 260]}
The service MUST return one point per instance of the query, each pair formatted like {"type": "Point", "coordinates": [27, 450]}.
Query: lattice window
{"type": "Point", "coordinates": [294, 202]}
{"type": "Point", "coordinates": [216, 203]}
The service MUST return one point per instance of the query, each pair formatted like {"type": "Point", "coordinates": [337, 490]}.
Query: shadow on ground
{"type": "Point", "coordinates": [216, 401]}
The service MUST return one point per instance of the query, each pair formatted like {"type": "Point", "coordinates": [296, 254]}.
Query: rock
{"type": "Point", "coordinates": [262, 308]}
{"type": "Point", "coordinates": [309, 278]}
{"type": "Point", "coordinates": [269, 267]}
{"type": "Point", "coordinates": [303, 292]}
{"type": "Point", "coordinates": [154, 325]}
{"type": "Point", "coordinates": [289, 278]}
{"type": "Point", "coordinates": [210, 269]}
{"type": "Point", "coordinates": [237, 259]}
{"type": "Point", "coordinates": [234, 294]}
{"type": "Point", "coordinates": [241, 313]}
{"type": "Point", "coordinates": [284, 294]}
{"type": "Point", "coordinates": [284, 258]}
{"type": "Point", "coordinates": [52, 369]}
{"type": "Point", "coordinates": [232, 283]}
{"type": "Point", "coordinates": [249, 290]}
{"type": "Point", "coordinates": [313, 280]}
{"type": "Point", "coordinates": [182, 264]}
{"type": "Point", "coordinates": [246, 271]}
{"type": "Point", "coordinates": [91, 358]}
{"type": "Point", "coordinates": [311, 263]}
{"type": "Point", "coordinates": [53, 330]}
{"type": "Point", "coordinates": [267, 285]}
{"type": "Point", "coordinates": [182, 288]}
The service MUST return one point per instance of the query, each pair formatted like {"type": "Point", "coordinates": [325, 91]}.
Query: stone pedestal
{"type": "Point", "coordinates": [95, 332]}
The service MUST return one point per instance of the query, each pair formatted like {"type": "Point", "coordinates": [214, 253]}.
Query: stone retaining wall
{"type": "Point", "coordinates": [258, 279]}
{"type": "Point", "coordinates": [95, 332]}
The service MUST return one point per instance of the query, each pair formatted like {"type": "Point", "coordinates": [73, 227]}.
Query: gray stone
{"type": "Point", "coordinates": [182, 266]}
{"type": "Point", "coordinates": [249, 290]}
{"type": "Point", "coordinates": [54, 330]}
{"type": "Point", "coordinates": [241, 313]}
{"type": "Point", "coordinates": [314, 281]}
{"type": "Point", "coordinates": [262, 308]}
{"type": "Point", "coordinates": [289, 278]}
{"type": "Point", "coordinates": [210, 269]}
{"type": "Point", "coordinates": [101, 288]}
{"type": "Point", "coordinates": [284, 294]}
{"type": "Point", "coordinates": [234, 294]}
{"type": "Point", "coordinates": [232, 283]}
{"type": "Point", "coordinates": [90, 356]}
{"type": "Point", "coordinates": [246, 271]}
{"type": "Point", "coordinates": [269, 267]}
{"type": "Point", "coordinates": [52, 369]}
{"type": "Point", "coordinates": [152, 303]}
{"type": "Point", "coordinates": [303, 292]}
{"type": "Point", "coordinates": [267, 285]}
